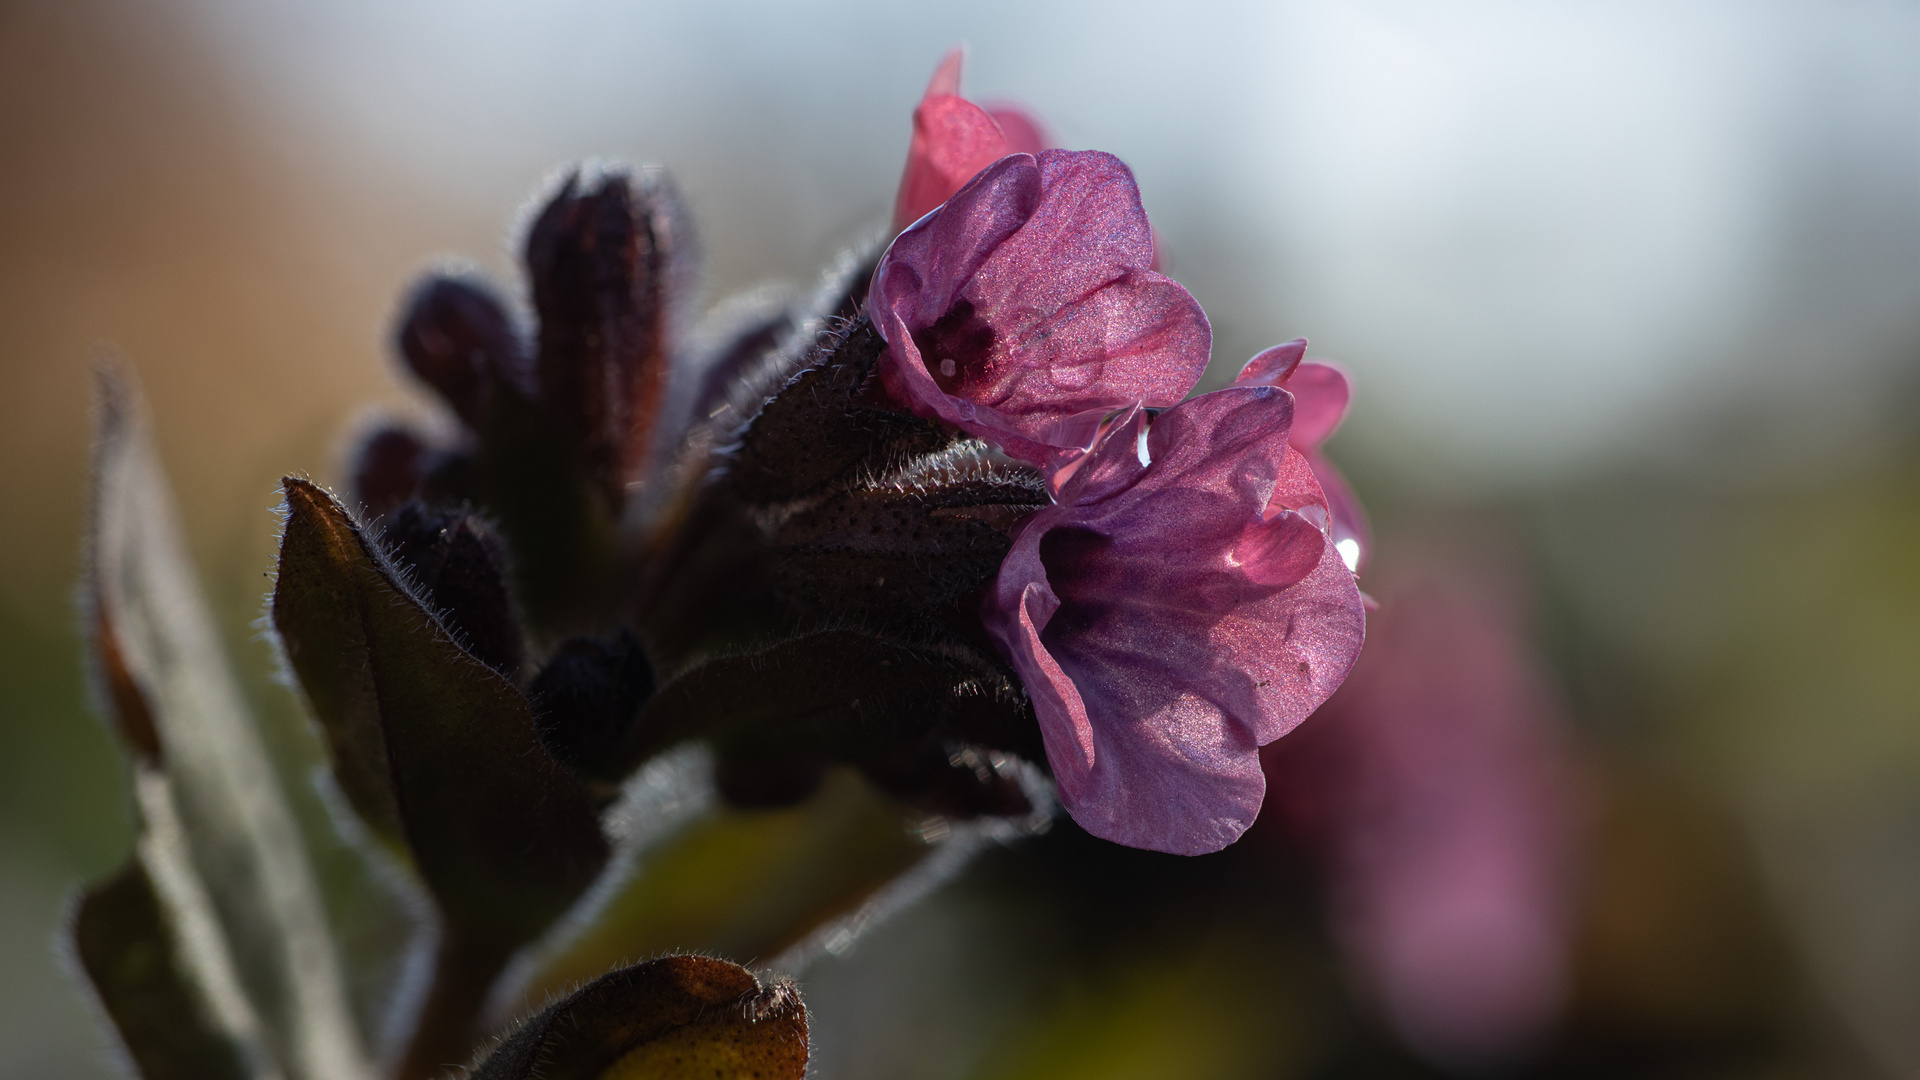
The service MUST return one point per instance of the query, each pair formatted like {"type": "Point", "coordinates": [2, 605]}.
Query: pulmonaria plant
{"type": "Point", "coordinates": [952, 526]}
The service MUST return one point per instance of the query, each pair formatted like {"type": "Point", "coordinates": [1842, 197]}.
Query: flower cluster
{"type": "Point", "coordinates": [1182, 600]}
{"type": "Point", "coordinates": [976, 449]}
{"type": "Point", "coordinates": [954, 523]}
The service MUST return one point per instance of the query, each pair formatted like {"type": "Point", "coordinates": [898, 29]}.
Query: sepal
{"type": "Point", "coordinates": [502, 836]}
{"type": "Point", "coordinates": [827, 422]}
{"type": "Point", "coordinates": [456, 561]}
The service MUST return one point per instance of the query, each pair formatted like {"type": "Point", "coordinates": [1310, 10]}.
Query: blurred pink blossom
{"type": "Point", "coordinates": [1438, 790]}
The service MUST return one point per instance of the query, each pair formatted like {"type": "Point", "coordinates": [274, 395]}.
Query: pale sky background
{"type": "Point", "coordinates": [1543, 235]}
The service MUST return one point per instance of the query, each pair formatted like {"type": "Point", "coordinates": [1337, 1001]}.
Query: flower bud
{"type": "Point", "coordinates": [608, 271]}
{"type": "Point", "coordinates": [586, 700]}
{"type": "Point", "coordinates": [388, 468]}
{"type": "Point", "coordinates": [458, 339]}
{"type": "Point", "coordinates": [461, 565]}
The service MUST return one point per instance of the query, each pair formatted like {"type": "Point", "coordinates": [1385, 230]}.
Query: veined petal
{"type": "Point", "coordinates": [1183, 622]}
{"type": "Point", "coordinates": [1321, 392]}
{"type": "Point", "coordinates": [1026, 300]}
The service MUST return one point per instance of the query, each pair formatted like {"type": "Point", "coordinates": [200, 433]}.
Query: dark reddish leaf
{"type": "Point", "coordinates": [504, 838]}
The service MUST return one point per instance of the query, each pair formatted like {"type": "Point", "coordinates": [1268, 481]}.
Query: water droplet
{"type": "Point", "coordinates": [1349, 550]}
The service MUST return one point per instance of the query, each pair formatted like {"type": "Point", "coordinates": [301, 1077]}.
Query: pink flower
{"type": "Point", "coordinates": [1167, 622]}
{"type": "Point", "coordinates": [1321, 392]}
{"type": "Point", "coordinates": [1437, 788]}
{"type": "Point", "coordinates": [953, 139]}
{"type": "Point", "coordinates": [1025, 306]}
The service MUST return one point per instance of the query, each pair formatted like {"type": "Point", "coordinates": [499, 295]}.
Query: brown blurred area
{"type": "Point", "coordinates": [147, 211]}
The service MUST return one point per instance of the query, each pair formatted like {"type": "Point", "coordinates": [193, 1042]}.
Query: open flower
{"type": "Point", "coordinates": [1025, 305]}
{"type": "Point", "coordinates": [1320, 392]}
{"type": "Point", "coordinates": [953, 139]}
{"type": "Point", "coordinates": [1168, 621]}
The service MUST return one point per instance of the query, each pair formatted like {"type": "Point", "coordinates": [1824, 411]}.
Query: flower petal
{"type": "Point", "coordinates": [1320, 392]}
{"type": "Point", "coordinates": [953, 139]}
{"type": "Point", "coordinates": [1026, 300]}
{"type": "Point", "coordinates": [1024, 131]}
{"type": "Point", "coordinates": [1270, 367]}
{"type": "Point", "coordinates": [1438, 788]}
{"type": "Point", "coordinates": [1184, 624]}
{"type": "Point", "coordinates": [1352, 535]}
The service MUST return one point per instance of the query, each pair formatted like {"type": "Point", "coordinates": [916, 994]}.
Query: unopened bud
{"type": "Point", "coordinates": [608, 271]}
{"type": "Point", "coordinates": [461, 565]}
{"type": "Point", "coordinates": [586, 701]}
{"type": "Point", "coordinates": [458, 339]}
{"type": "Point", "coordinates": [388, 469]}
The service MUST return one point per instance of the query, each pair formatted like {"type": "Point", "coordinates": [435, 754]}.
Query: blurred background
{"type": "Point", "coordinates": [1630, 292]}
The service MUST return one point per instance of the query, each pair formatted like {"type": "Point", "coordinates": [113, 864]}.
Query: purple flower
{"type": "Point", "coordinates": [1025, 306]}
{"type": "Point", "coordinates": [1169, 615]}
{"type": "Point", "coordinates": [1320, 392]}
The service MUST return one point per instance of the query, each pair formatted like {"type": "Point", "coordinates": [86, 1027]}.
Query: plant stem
{"type": "Point", "coordinates": [448, 1027]}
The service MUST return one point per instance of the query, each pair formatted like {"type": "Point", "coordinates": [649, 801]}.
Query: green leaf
{"type": "Point", "coordinates": [214, 818]}
{"type": "Point", "coordinates": [743, 883]}
{"type": "Point", "coordinates": [504, 838]}
{"type": "Point", "coordinates": [677, 1018]}
{"type": "Point", "coordinates": [124, 942]}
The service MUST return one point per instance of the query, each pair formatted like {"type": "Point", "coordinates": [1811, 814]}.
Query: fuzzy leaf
{"type": "Point", "coordinates": [124, 943]}
{"type": "Point", "coordinates": [904, 554]}
{"type": "Point", "coordinates": [504, 838]}
{"type": "Point", "coordinates": [205, 780]}
{"type": "Point", "coordinates": [677, 1018]}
